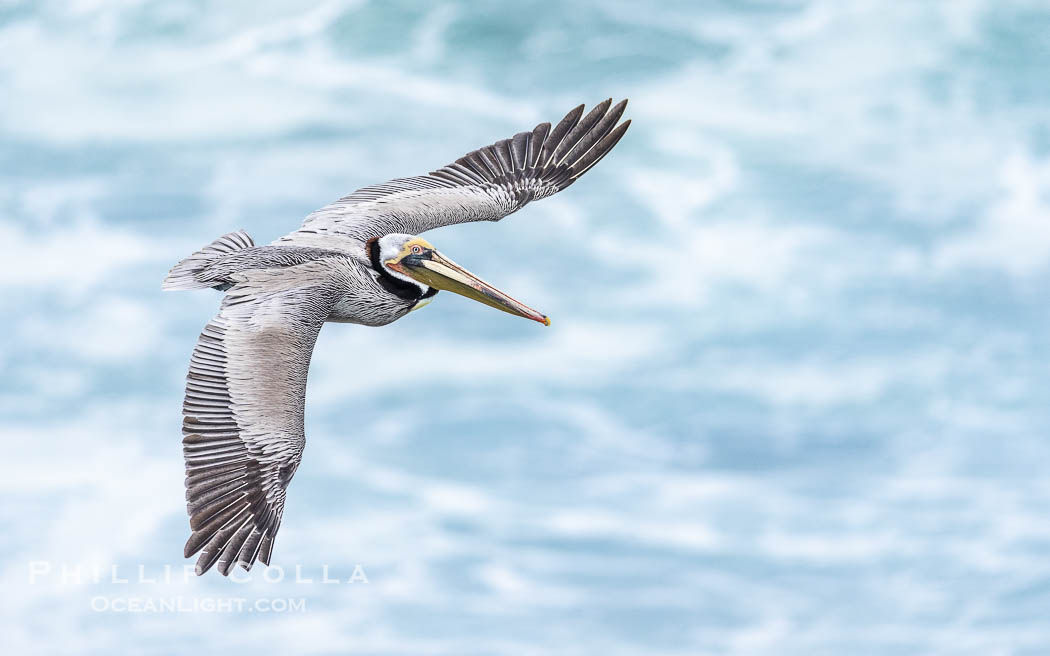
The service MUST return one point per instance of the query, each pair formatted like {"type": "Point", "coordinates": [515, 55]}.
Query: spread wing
{"type": "Point", "coordinates": [484, 185]}
{"type": "Point", "coordinates": [243, 413]}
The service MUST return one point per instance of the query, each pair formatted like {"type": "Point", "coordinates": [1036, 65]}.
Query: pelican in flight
{"type": "Point", "coordinates": [358, 260]}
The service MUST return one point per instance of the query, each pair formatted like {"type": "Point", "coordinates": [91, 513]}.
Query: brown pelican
{"type": "Point", "coordinates": [358, 260]}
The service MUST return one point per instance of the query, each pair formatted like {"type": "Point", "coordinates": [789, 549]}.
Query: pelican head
{"type": "Point", "coordinates": [414, 260]}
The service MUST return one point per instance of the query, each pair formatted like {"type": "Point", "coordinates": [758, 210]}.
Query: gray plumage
{"type": "Point", "coordinates": [484, 185]}
{"type": "Point", "coordinates": [246, 387]}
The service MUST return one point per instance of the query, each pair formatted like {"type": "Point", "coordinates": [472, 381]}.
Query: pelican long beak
{"type": "Point", "coordinates": [437, 271]}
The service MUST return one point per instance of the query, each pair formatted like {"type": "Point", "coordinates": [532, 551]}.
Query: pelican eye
{"type": "Point", "coordinates": [417, 249]}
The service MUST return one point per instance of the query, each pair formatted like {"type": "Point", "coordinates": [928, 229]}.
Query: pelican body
{"type": "Point", "coordinates": [359, 260]}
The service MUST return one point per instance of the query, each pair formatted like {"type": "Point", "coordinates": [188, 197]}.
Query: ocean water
{"type": "Point", "coordinates": [794, 400]}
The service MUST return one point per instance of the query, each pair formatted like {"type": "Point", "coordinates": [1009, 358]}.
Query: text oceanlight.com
{"type": "Point", "coordinates": [103, 604]}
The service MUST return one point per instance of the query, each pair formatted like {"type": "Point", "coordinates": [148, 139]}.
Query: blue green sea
{"type": "Point", "coordinates": [795, 397]}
